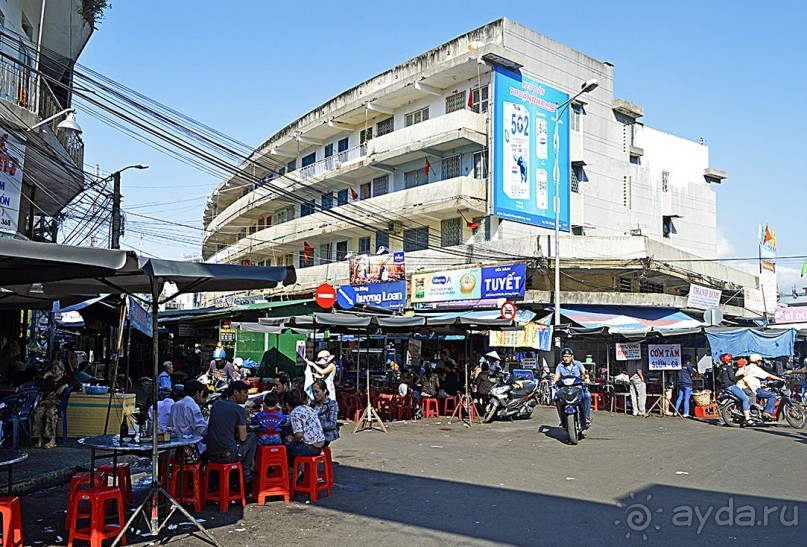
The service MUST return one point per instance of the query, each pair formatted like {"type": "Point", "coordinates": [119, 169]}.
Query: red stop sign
{"type": "Point", "coordinates": [325, 296]}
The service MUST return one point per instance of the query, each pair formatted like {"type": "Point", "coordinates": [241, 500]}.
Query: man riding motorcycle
{"type": "Point", "coordinates": [752, 374]}
{"type": "Point", "coordinates": [220, 369]}
{"type": "Point", "coordinates": [728, 378]}
{"type": "Point", "coordinates": [569, 367]}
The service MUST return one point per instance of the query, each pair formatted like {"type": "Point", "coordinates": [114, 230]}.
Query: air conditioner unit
{"type": "Point", "coordinates": [395, 227]}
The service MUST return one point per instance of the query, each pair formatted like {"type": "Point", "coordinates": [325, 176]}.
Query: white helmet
{"type": "Point", "coordinates": [238, 362]}
{"type": "Point", "coordinates": [755, 358]}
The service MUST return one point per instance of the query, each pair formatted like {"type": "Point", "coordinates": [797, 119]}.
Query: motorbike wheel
{"type": "Point", "coordinates": [490, 413]}
{"type": "Point", "coordinates": [726, 412]}
{"type": "Point", "coordinates": [571, 429]}
{"type": "Point", "coordinates": [795, 416]}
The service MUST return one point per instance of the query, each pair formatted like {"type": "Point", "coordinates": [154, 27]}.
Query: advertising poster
{"type": "Point", "coordinates": [12, 152]}
{"type": "Point", "coordinates": [753, 300]}
{"type": "Point", "coordinates": [525, 157]}
{"type": "Point", "coordinates": [470, 284]}
{"type": "Point", "coordinates": [533, 335]}
{"type": "Point", "coordinates": [386, 268]}
{"type": "Point", "coordinates": [390, 296]}
{"type": "Point", "coordinates": [664, 356]}
{"type": "Point", "coordinates": [628, 351]}
{"type": "Point", "coordinates": [702, 298]}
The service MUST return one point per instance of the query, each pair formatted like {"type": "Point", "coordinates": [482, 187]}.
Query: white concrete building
{"type": "Point", "coordinates": [351, 176]}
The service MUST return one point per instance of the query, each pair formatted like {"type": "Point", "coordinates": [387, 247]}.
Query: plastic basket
{"type": "Point", "coordinates": [702, 398]}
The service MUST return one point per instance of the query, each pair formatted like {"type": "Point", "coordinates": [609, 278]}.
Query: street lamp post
{"type": "Point", "coordinates": [588, 85]}
{"type": "Point", "coordinates": [116, 197]}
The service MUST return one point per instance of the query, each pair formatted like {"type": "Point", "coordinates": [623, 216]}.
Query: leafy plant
{"type": "Point", "coordinates": [92, 11]}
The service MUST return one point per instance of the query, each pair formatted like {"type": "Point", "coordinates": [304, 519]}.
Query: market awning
{"type": "Point", "coordinates": [630, 321]}
{"type": "Point", "coordinates": [745, 341]}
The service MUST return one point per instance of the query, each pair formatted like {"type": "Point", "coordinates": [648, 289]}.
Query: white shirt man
{"type": "Point", "coordinates": [163, 412]}
{"type": "Point", "coordinates": [186, 415]}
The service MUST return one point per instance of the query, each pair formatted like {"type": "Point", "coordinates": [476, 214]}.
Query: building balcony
{"type": "Point", "coordinates": [435, 200]}
{"type": "Point", "coordinates": [342, 160]}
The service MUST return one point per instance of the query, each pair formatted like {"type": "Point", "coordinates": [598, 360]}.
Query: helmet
{"type": "Point", "coordinates": [566, 351]}
{"type": "Point", "coordinates": [238, 362]}
{"type": "Point", "coordinates": [741, 362]}
{"type": "Point", "coordinates": [726, 358]}
{"type": "Point", "coordinates": [218, 353]}
{"type": "Point", "coordinates": [755, 358]}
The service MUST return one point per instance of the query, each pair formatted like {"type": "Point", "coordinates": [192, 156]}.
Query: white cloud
{"type": "Point", "coordinates": [725, 248]}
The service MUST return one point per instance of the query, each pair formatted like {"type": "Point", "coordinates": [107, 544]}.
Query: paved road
{"type": "Point", "coordinates": [670, 480]}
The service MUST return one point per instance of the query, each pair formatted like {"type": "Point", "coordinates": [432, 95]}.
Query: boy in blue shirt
{"type": "Point", "coordinates": [269, 422]}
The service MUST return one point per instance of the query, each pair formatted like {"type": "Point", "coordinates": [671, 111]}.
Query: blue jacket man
{"type": "Point", "coordinates": [570, 367]}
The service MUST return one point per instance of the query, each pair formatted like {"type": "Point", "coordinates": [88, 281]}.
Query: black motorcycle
{"type": "Point", "coordinates": [569, 400]}
{"type": "Point", "coordinates": [731, 410]}
{"type": "Point", "coordinates": [510, 398]}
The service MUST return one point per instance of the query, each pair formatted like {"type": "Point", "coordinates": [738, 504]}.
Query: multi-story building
{"type": "Point", "coordinates": [402, 161]}
{"type": "Point", "coordinates": [42, 163]}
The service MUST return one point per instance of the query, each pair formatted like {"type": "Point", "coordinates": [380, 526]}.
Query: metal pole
{"type": "Point", "coordinates": [115, 236]}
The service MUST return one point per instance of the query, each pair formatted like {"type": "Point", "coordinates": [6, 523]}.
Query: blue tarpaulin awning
{"type": "Point", "coordinates": [745, 341]}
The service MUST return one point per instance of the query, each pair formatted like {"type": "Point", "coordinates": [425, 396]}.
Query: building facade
{"type": "Point", "coordinates": [402, 162]}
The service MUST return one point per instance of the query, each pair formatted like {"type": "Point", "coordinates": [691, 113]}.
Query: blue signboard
{"type": "Point", "coordinates": [504, 281]}
{"type": "Point", "coordinates": [390, 296]}
{"type": "Point", "coordinates": [346, 297]}
{"type": "Point", "coordinates": [139, 318]}
{"type": "Point", "coordinates": [529, 151]}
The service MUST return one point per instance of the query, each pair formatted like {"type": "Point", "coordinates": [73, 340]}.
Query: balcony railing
{"type": "Point", "coordinates": [333, 163]}
{"type": "Point", "coordinates": [21, 86]}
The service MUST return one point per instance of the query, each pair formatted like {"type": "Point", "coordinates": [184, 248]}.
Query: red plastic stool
{"type": "Point", "coordinates": [311, 484]}
{"type": "Point", "coordinates": [453, 400]}
{"type": "Point", "coordinates": [12, 521]}
{"type": "Point", "coordinates": [186, 484]}
{"type": "Point", "coordinates": [272, 466]}
{"type": "Point", "coordinates": [597, 401]}
{"type": "Point", "coordinates": [97, 530]}
{"type": "Point", "coordinates": [326, 451]}
{"type": "Point", "coordinates": [124, 476]}
{"type": "Point", "coordinates": [78, 482]}
{"type": "Point", "coordinates": [224, 495]}
{"type": "Point", "coordinates": [430, 406]}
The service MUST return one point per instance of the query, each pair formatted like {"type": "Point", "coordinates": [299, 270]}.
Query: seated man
{"type": "Point", "coordinates": [165, 405]}
{"type": "Point", "coordinates": [753, 373]}
{"type": "Point", "coordinates": [186, 414]}
{"type": "Point", "coordinates": [227, 438]}
{"type": "Point", "coordinates": [307, 438]}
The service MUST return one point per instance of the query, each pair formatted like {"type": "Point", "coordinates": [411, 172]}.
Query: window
{"type": "Point", "coordinates": [253, 229]}
{"type": "Point", "coordinates": [450, 232]}
{"type": "Point", "coordinates": [325, 253]}
{"type": "Point", "coordinates": [342, 145]}
{"type": "Point", "coordinates": [455, 102]}
{"type": "Point", "coordinates": [342, 197]}
{"type": "Point", "coordinates": [416, 117]}
{"type": "Point", "coordinates": [341, 250]}
{"type": "Point", "coordinates": [329, 150]}
{"type": "Point", "coordinates": [365, 135]}
{"type": "Point", "coordinates": [306, 261]}
{"type": "Point", "coordinates": [667, 225]}
{"type": "Point", "coordinates": [288, 260]}
{"type": "Point", "coordinates": [636, 160]}
{"type": "Point", "coordinates": [364, 191]}
{"type": "Point", "coordinates": [414, 178]}
{"type": "Point", "coordinates": [327, 200]}
{"type": "Point", "coordinates": [385, 126]}
{"type": "Point", "coordinates": [482, 232]}
{"type": "Point", "coordinates": [309, 159]}
{"type": "Point", "coordinates": [577, 176]}
{"type": "Point", "coordinates": [479, 99]}
{"type": "Point", "coordinates": [364, 245]}
{"type": "Point", "coordinates": [481, 165]}
{"type": "Point", "coordinates": [307, 208]}
{"type": "Point", "coordinates": [451, 167]}
{"type": "Point", "coordinates": [574, 117]}
{"type": "Point", "coordinates": [624, 284]}
{"type": "Point", "coordinates": [381, 239]}
{"type": "Point", "coordinates": [416, 239]}
{"type": "Point", "coordinates": [291, 166]}
{"type": "Point", "coordinates": [665, 181]}
{"type": "Point", "coordinates": [646, 286]}
{"type": "Point", "coordinates": [266, 262]}
{"type": "Point", "coordinates": [381, 185]}
{"type": "Point", "coordinates": [264, 222]}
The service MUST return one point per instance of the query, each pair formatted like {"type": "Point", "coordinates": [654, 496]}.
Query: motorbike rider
{"type": "Point", "coordinates": [728, 380]}
{"type": "Point", "coordinates": [752, 374]}
{"type": "Point", "coordinates": [570, 367]}
{"type": "Point", "coordinates": [802, 370]}
{"type": "Point", "coordinates": [221, 368]}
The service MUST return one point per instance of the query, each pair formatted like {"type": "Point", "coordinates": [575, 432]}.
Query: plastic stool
{"type": "Point", "coordinates": [224, 495]}
{"type": "Point", "coordinates": [12, 521]}
{"type": "Point", "coordinates": [453, 400]}
{"type": "Point", "coordinates": [311, 484]}
{"type": "Point", "coordinates": [430, 406]}
{"type": "Point", "coordinates": [77, 482]}
{"type": "Point", "coordinates": [326, 451]}
{"type": "Point", "coordinates": [98, 530]}
{"type": "Point", "coordinates": [184, 490]}
{"type": "Point", "coordinates": [124, 477]}
{"type": "Point", "coordinates": [597, 401]}
{"type": "Point", "coordinates": [274, 482]}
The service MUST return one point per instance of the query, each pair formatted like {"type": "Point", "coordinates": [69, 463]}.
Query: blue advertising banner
{"type": "Point", "coordinates": [529, 151]}
{"type": "Point", "coordinates": [140, 319]}
{"type": "Point", "coordinates": [389, 296]}
{"type": "Point", "coordinates": [470, 284]}
{"type": "Point", "coordinates": [504, 281]}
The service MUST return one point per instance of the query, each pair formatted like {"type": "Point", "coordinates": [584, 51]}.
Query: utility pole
{"type": "Point", "coordinates": [115, 236]}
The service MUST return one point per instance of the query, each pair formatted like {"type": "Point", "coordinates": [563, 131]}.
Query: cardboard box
{"type": "Point", "coordinates": [86, 414]}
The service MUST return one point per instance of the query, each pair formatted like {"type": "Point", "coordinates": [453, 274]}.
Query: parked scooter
{"type": "Point", "coordinates": [569, 400]}
{"type": "Point", "coordinates": [216, 387]}
{"type": "Point", "coordinates": [730, 408]}
{"type": "Point", "coordinates": [510, 398]}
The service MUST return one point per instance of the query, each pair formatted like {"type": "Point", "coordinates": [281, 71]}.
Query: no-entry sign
{"type": "Point", "coordinates": [325, 296]}
{"type": "Point", "coordinates": [508, 311]}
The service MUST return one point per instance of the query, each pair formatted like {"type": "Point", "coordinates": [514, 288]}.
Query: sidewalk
{"type": "Point", "coordinates": [51, 467]}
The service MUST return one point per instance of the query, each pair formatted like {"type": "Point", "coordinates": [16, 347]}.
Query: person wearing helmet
{"type": "Point", "coordinates": [728, 379]}
{"type": "Point", "coordinates": [568, 366]}
{"type": "Point", "coordinates": [220, 368]}
{"type": "Point", "coordinates": [753, 374]}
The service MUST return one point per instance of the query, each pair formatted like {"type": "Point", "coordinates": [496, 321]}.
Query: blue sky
{"type": "Point", "coordinates": [728, 71]}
